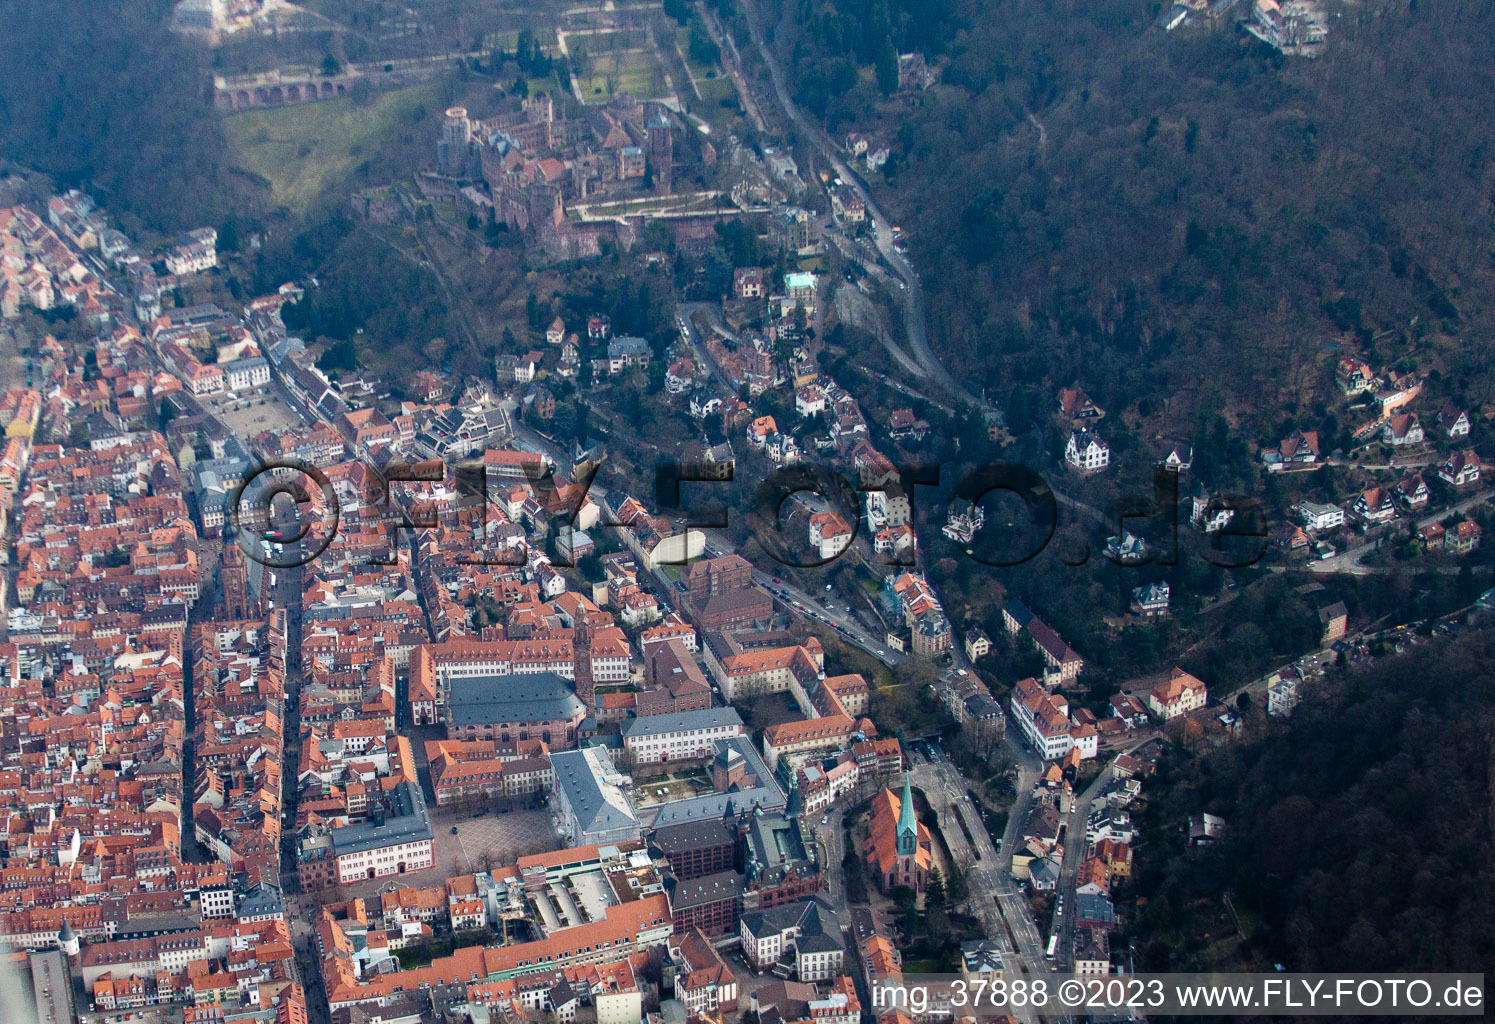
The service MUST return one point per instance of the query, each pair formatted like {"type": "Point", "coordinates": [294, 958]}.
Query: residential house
{"type": "Point", "coordinates": [904, 426]}
{"type": "Point", "coordinates": [799, 286]}
{"type": "Point", "coordinates": [747, 282]}
{"type": "Point", "coordinates": [1210, 515]}
{"type": "Point", "coordinates": [1092, 952]}
{"type": "Point", "coordinates": [895, 541]}
{"type": "Point", "coordinates": [680, 376]}
{"type": "Point", "coordinates": [626, 351]}
{"type": "Point", "coordinates": [1176, 456]}
{"type": "Point", "coordinates": [1129, 709]}
{"type": "Point", "coordinates": [1298, 449]}
{"type": "Point", "coordinates": [810, 400]}
{"type": "Point", "coordinates": [760, 430]}
{"type": "Point", "coordinates": [1464, 538]}
{"type": "Point", "coordinates": [1453, 421]}
{"type": "Point", "coordinates": [1375, 506]}
{"type": "Point", "coordinates": [1355, 377]}
{"type": "Point", "coordinates": [1461, 469]}
{"type": "Point", "coordinates": [1289, 536]}
{"type": "Point", "coordinates": [1181, 694]}
{"type": "Point", "coordinates": [1402, 430]}
{"type": "Point", "coordinates": [703, 403]}
{"type": "Point", "coordinates": [1433, 537]}
{"type": "Point", "coordinates": [1086, 452]}
{"type": "Point", "coordinates": [1317, 517]}
{"type": "Point", "coordinates": [1282, 692]}
{"type": "Point", "coordinates": [1412, 491]}
{"type": "Point", "coordinates": [1078, 406]}
{"type": "Point", "coordinates": [829, 534]}
{"type": "Point", "coordinates": [1335, 619]}
{"type": "Point", "coordinates": [1151, 601]}
{"type": "Point", "coordinates": [963, 520]}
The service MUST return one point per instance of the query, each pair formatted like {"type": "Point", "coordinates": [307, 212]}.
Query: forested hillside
{"type": "Point", "coordinates": [1360, 831]}
{"type": "Point", "coordinates": [1185, 221]}
{"type": "Point", "coordinates": [102, 95]}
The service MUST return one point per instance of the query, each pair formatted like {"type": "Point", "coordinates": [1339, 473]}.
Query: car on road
{"type": "Point", "coordinates": [454, 830]}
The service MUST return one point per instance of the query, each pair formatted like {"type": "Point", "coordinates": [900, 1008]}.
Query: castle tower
{"type": "Point", "coordinates": [908, 826]}
{"type": "Point", "coordinates": [539, 108]}
{"type": "Point", "coordinates": [457, 129]}
{"type": "Point", "coordinates": [455, 142]}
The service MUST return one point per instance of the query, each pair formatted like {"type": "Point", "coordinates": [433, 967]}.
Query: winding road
{"type": "Point", "coordinates": [882, 231]}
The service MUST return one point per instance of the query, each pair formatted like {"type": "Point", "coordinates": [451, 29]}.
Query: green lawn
{"type": "Point", "coordinates": [714, 90]}
{"type": "Point", "coordinates": [697, 68]}
{"type": "Point", "coordinates": [548, 84]}
{"type": "Point", "coordinates": [301, 150]}
{"type": "Point", "coordinates": [632, 71]}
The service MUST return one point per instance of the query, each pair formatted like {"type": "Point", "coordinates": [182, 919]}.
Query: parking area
{"type": "Point", "coordinates": [496, 839]}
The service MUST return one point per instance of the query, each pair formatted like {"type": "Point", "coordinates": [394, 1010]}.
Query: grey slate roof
{"type": "Point", "coordinates": [525, 697]}
{"type": "Point", "coordinates": [409, 824]}
{"type": "Point", "coordinates": [691, 835]}
{"type": "Point", "coordinates": [1094, 906]}
{"type": "Point", "coordinates": [682, 721]}
{"type": "Point", "coordinates": [261, 899]}
{"type": "Point", "coordinates": [773, 920]}
{"type": "Point", "coordinates": [599, 804]}
{"type": "Point", "coordinates": [697, 892]}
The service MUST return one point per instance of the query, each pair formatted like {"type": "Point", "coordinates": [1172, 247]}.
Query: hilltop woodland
{"type": "Point", "coordinates": [1183, 222]}
{"type": "Point", "coordinates": [101, 96]}
{"type": "Point", "coordinates": [1359, 831]}
{"type": "Point", "coordinates": [1192, 225]}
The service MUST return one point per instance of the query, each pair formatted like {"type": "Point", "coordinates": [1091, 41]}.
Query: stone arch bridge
{"type": "Point", "coordinates": [283, 87]}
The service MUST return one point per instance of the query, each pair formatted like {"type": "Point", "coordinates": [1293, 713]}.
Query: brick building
{"type": "Point", "coordinates": [697, 848]}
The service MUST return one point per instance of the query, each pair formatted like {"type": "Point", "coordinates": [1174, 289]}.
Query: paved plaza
{"type": "Point", "coordinates": [501, 837]}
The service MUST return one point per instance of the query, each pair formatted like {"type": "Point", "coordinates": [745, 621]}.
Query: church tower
{"type": "Point", "coordinates": [233, 572]}
{"type": "Point", "coordinates": [908, 827]}
{"type": "Point", "coordinates": [581, 654]}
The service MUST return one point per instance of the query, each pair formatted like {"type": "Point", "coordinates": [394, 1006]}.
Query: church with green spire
{"type": "Point", "coordinates": [898, 849]}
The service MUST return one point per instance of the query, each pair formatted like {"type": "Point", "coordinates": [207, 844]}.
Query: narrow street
{"type": "Point", "coordinates": [1074, 853]}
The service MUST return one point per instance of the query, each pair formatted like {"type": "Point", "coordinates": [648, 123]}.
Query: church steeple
{"type": "Point", "coordinates": [908, 826]}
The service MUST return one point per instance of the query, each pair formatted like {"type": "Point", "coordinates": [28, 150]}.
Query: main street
{"type": "Point", "coordinates": [992, 876]}
{"type": "Point", "coordinates": [986, 875]}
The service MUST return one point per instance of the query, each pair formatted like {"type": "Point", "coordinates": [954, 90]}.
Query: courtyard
{"type": "Point", "coordinates": [677, 784]}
